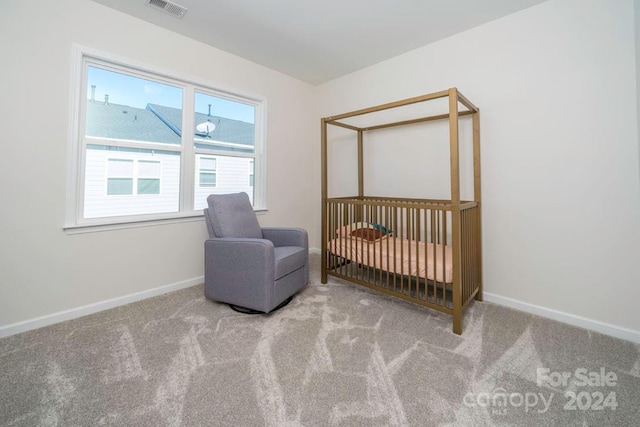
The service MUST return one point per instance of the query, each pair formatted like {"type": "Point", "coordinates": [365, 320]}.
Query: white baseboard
{"type": "Point", "coordinates": [571, 319]}
{"type": "Point", "coordinates": [315, 251]}
{"type": "Point", "coordinates": [61, 316]}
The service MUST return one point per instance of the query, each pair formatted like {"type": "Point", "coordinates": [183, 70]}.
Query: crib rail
{"type": "Point", "coordinates": [414, 259]}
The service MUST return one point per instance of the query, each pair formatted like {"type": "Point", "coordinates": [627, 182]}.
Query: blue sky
{"type": "Point", "coordinates": [136, 92]}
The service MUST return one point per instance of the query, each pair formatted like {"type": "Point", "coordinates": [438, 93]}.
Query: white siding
{"type": "Point", "coordinates": [99, 204]}
{"type": "Point", "coordinates": [232, 177]}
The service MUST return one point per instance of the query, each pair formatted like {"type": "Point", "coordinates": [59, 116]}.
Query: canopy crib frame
{"type": "Point", "coordinates": [425, 251]}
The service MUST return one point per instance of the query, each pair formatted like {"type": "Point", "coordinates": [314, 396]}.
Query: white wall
{"type": "Point", "coordinates": [561, 199]}
{"type": "Point", "coordinates": [43, 270]}
{"type": "Point", "coordinates": [636, 21]}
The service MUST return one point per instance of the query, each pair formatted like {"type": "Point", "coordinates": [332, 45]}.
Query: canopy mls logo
{"type": "Point", "coordinates": [499, 400]}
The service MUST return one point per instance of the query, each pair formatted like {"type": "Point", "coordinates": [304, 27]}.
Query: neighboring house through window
{"type": "Point", "coordinates": [208, 171]}
{"type": "Point", "coordinates": [120, 177]}
{"type": "Point", "coordinates": [130, 141]}
{"type": "Point", "coordinates": [148, 177]}
{"type": "Point", "coordinates": [122, 173]}
{"type": "Point", "coordinates": [252, 166]}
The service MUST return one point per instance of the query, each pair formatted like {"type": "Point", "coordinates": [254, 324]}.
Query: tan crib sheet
{"type": "Point", "coordinates": [395, 255]}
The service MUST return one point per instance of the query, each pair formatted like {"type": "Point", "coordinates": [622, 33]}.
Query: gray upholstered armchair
{"type": "Point", "coordinates": [253, 269]}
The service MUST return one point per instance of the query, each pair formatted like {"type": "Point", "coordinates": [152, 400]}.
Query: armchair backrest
{"type": "Point", "coordinates": [231, 215]}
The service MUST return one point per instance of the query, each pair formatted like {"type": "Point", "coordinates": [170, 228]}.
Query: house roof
{"type": "Point", "coordinates": [124, 122]}
{"type": "Point", "coordinates": [226, 130]}
{"type": "Point", "coordinates": [157, 123]}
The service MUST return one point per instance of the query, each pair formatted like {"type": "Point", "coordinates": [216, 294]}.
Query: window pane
{"type": "Point", "coordinates": [121, 106]}
{"type": "Point", "coordinates": [99, 200]}
{"type": "Point", "coordinates": [224, 124]}
{"type": "Point", "coordinates": [207, 179]}
{"type": "Point", "coordinates": [147, 168]}
{"type": "Point", "coordinates": [120, 167]}
{"type": "Point", "coordinates": [208, 163]}
{"type": "Point", "coordinates": [148, 186]}
{"type": "Point", "coordinates": [119, 186]}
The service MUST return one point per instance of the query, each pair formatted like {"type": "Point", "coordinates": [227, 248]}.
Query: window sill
{"type": "Point", "coordinates": [138, 223]}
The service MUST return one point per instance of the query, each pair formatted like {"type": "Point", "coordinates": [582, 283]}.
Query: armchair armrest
{"type": "Point", "coordinates": [239, 257]}
{"type": "Point", "coordinates": [247, 263]}
{"type": "Point", "coordinates": [286, 236]}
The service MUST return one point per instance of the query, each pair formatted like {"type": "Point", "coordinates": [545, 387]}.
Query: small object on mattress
{"type": "Point", "coordinates": [367, 234]}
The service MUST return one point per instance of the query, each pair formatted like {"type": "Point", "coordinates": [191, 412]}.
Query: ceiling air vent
{"type": "Point", "coordinates": [168, 7]}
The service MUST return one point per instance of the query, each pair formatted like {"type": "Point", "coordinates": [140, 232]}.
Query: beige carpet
{"type": "Point", "coordinates": [337, 355]}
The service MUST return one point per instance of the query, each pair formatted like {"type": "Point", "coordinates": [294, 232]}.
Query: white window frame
{"type": "Point", "coordinates": [84, 57]}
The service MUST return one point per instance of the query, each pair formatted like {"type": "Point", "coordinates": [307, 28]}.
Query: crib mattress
{"type": "Point", "coordinates": [400, 256]}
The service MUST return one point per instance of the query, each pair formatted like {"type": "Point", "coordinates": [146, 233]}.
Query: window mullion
{"type": "Point", "coordinates": [188, 169]}
{"type": "Point", "coordinates": [91, 140]}
{"type": "Point", "coordinates": [208, 152]}
{"type": "Point", "coordinates": [260, 159]}
{"type": "Point", "coordinates": [79, 142]}
{"type": "Point", "coordinates": [136, 176]}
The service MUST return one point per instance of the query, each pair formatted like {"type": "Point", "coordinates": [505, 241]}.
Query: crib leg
{"type": "Point", "coordinates": [323, 269]}
{"type": "Point", "coordinates": [457, 322]}
{"type": "Point", "coordinates": [479, 296]}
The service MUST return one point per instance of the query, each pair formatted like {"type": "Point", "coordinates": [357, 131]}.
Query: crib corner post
{"type": "Point", "coordinates": [323, 273]}
{"type": "Point", "coordinates": [324, 196]}
{"type": "Point", "coordinates": [477, 194]}
{"type": "Point", "coordinates": [457, 322]}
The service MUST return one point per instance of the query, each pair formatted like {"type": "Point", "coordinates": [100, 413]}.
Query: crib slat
{"type": "Point", "coordinates": [444, 257]}
{"type": "Point", "coordinates": [395, 249]}
{"type": "Point", "coordinates": [353, 252]}
{"type": "Point", "coordinates": [409, 236]}
{"type": "Point", "coordinates": [380, 220]}
{"type": "Point", "coordinates": [388, 221]}
{"type": "Point", "coordinates": [433, 241]}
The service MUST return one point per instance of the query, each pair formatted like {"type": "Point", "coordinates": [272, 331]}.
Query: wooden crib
{"type": "Point", "coordinates": [425, 251]}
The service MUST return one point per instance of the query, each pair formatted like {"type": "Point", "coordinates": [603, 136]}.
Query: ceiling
{"type": "Point", "coordinates": [317, 41]}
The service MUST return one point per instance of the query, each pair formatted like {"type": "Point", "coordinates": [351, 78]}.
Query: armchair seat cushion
{"type": "Point", "coordinates": [289, 259]}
